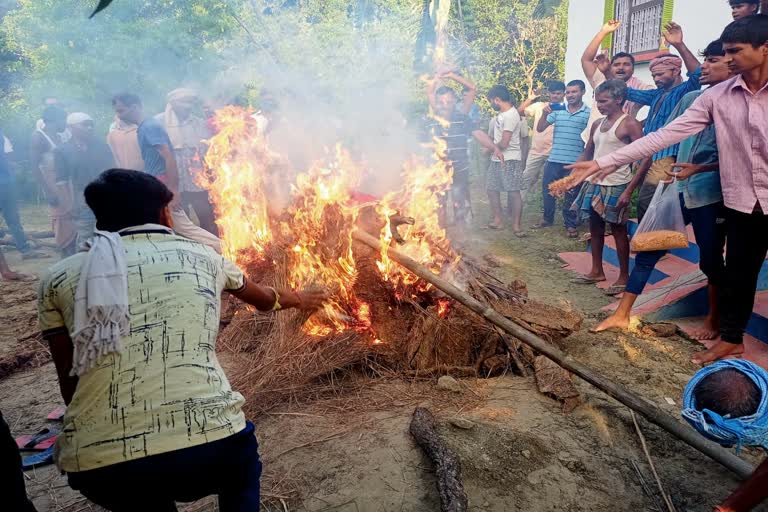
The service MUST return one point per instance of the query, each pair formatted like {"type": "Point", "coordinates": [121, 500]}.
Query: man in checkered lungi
{"type": "Point", "coordinates": [607, 201]}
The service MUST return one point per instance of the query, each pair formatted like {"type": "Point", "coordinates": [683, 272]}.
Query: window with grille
{"type": "Point", "coordinates": [642, 22]}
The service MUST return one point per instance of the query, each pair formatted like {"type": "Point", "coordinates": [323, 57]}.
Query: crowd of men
{"type": "Point", "coordinates": [710, 144]}
{"type": "Point", "coordinates": [131, 313]}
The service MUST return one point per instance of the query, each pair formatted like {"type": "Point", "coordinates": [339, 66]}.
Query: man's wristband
{"type": "Point", "coordinates": [276, 306]}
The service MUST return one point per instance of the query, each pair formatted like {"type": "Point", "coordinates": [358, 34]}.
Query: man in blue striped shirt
{"type": "Point", "coordinates": [567, 147]}
{"type": "Point", "coordinates": [667, 74]}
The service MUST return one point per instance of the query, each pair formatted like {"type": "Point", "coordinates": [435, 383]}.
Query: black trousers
{"type": "Point", "coordinates": [13, 494]}
{"type": "Point", "coordinates": [200, 202]}
{"type": "Point", "coordinates": [229, 468]}
{"type": "Point", "coordinates": [746, 248]}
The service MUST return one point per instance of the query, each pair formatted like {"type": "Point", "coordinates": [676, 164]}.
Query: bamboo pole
{"type": "Point", "coordinates": [649, 410]}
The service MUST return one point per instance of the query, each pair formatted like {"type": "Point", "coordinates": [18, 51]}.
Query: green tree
{"type": "Point", "coordinates": [518, 44]}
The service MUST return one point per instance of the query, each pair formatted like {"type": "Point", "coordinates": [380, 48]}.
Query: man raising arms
{"type": "Point", "coordinates": [621, 67]}
{"type": "Point", "coordinates": [455, 128]}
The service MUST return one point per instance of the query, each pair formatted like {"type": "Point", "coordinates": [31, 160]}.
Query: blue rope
{"type": "Point", "coordinates": [743, 431]}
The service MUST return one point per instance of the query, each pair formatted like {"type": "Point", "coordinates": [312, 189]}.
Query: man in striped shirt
{"type": "Point", "coordinates": [567, 146]}
{"type": "Point", "coordinates": [455, 128]}
{"type": "Point", "coordinates": [666, 72]}
{"type": "Point", "coordinates": [739, 110]}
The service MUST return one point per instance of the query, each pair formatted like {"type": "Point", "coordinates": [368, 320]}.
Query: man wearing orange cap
{"type": "Point", "coordinates": [666, 71]}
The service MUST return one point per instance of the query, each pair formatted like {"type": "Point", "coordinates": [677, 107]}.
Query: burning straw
{"type": "Point", "coordinates": [377, 309]}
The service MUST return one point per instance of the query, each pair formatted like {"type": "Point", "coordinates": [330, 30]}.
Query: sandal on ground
{"type": "Point", "coordinates": [573, 234]}
{"type": "Point", "coordinates": [615, 290]}
{"type": "Point", "coordinates": [541, 225]}
{"type": "Point", "coordinates": [521, 234]}
{"type": "Point", "coordinates": [586, 280]}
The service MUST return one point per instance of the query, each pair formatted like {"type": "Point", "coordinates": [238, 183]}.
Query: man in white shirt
{"type": "Point", "coordinates": [505, 174]}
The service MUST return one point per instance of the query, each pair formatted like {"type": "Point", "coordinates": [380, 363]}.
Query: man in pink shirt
{"type": "Point", "coordinates": [739, 110]}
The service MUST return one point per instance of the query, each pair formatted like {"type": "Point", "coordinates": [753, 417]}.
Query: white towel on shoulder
{"type": "Point", "coordinates": [101, 302]}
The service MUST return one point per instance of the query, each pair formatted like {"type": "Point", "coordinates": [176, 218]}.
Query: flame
{"type": "Point", "coordinates": [443, 307]}
{"type": "Point", "coordinates": [320, 222]}
{"type": "Point", "coordinates": [240, 159]}
{"type": "Point", "coordinates": [421, 198]}
{"type": "Point", "coordinates": [314, 232]}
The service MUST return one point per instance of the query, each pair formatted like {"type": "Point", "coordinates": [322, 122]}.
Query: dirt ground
{"type": "Point", "coordinates": [352, 452]}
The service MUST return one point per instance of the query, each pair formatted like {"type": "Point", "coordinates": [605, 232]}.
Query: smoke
{"type": "Point", "coordinates": [334, 80]}
{"type": "Point", "coordinates": [337, 71]}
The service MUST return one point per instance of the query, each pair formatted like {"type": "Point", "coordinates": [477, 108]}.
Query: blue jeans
{"type": "Point", "coordinates": [229, 468]}
{"type": "Point", "coordinates": [554, 172]}
{"type": "Point", "coordinates": [709, 229]}
{"type": "Point", "coordinates": [10, 208]}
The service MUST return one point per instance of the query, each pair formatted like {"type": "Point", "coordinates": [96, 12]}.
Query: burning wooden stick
{"type": "Point", "coordinates": [447, 465]}
{"type": "Point", "coordinates": [652, 412]}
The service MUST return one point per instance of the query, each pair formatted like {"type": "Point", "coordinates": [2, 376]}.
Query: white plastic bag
{"type": "Point", "coordinates": [663, 227]}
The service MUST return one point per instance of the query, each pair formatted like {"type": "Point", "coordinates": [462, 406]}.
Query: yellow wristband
{"type": "Point", "coordinates": [276, 306]}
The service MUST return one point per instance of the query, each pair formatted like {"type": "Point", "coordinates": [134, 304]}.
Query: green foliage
{"type": "Point", "coordinates": [142, 46]}
{"type": "Point", "coordinates": [511, 43]}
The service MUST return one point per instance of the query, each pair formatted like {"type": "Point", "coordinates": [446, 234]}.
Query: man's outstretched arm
{"type": "Point", "coordinates": [265, 298]}
{"type": "Point", "coordinates": [694, 120]}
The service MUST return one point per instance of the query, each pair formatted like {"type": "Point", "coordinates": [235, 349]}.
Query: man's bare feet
{"type": "Point", "coordinates": [612, 322]}
{"type": "Point", "coordinates": [719, 350]}
{"type": "Point", "coordinates": [709, 331]}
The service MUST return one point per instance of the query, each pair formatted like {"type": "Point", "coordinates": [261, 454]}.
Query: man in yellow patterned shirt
{"type": "Point", "coordinates": [157, 421]}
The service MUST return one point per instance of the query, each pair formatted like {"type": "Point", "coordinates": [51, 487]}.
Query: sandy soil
{"type": "Point", "coordinates": [352, 452]}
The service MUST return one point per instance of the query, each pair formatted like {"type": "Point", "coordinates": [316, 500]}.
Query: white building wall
{"type": "Point", "coordinates": [702, 21]}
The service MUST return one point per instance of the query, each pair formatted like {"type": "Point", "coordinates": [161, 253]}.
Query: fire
{"type": "Point", "coordinates": [311, 238]}
{"type": "Point", "coordinates": [443, 307]}
{"type": "Point", "coordinates": [421, 197]}
{"type": "Point", "coordinates": [240, 160]}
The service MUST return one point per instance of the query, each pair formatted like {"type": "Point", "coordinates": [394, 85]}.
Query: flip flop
{"type": "Point", "coordinates": [615, 290]}
{"type": "Point", "coordinates": [586, 280]}
{"type": "Point", "coordinates": [521, 234]}
{"type": "Point", "coordinates": [38, 459]}
{"type": "Point", "coordinates": [495, 227]}
{"type": "Point", "coordinates": [37, 442]}
{"type": "Point", "coordinates": [57, 414]}
{"type": "Point", "coordinates": [541, 225]}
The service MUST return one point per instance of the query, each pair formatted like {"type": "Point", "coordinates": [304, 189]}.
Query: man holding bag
{"type": "Point", "coordinates": [701, 201]}
{"type": "Point", "coordinates": [738, 108]}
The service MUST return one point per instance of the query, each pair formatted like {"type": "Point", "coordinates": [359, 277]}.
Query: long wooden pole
{"type": "Point", "coordinates": [651, 411]}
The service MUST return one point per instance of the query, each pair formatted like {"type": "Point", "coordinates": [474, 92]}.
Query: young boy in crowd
{"type": "Point", "coordinates": [744, 8]}
{"type": "Point", "coordinates": [507, 175]}
{"type": "Point", "coordinates": [607, 200]}
{"type": "Point", "coordinates": [738, 108]}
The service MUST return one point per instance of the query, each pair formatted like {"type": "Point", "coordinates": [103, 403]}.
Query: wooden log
{"type": "Point", "coordinates": [447, 465]}
{"type": "Point", "coordinates": [648, 409]}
